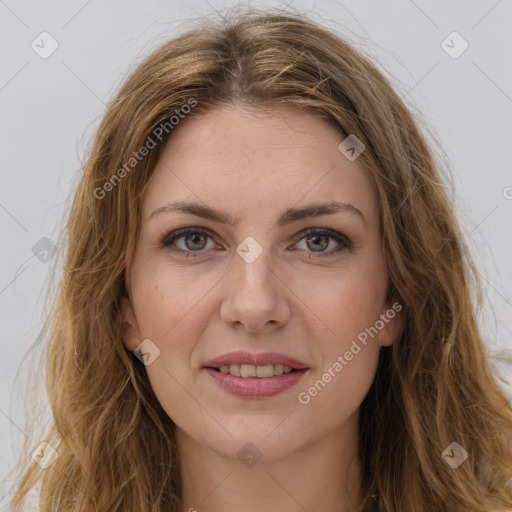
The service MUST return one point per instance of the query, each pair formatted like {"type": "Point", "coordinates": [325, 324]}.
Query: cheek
{"type": "Point", "coordinates": [346, 304]}
{"type": "Point", "coordinates": [171, 312]}
{"type": "Point", "coordinates": [171, 302]}
{"type": "Point", "coordinates": [334, 395]}
{"type": "Point", "coordinates": [170, 386]}
{"type": "Point", "coordinates": [348, 351]}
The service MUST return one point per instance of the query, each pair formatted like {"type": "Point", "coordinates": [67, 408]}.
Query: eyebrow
{"type": "Point", "coordinates": [286, 217]}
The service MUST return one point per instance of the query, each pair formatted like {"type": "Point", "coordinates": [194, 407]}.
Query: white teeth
{"type": "Point", "coordinates": [234, 369]}
{"type": "Point", "coordinates": [265, 371]}
{"type": "Point", "coordinates": [249, 370]}
{"type": "Point", "coordinates": [278, 369]}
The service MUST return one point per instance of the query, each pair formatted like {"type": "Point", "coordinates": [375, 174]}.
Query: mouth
{"type": "Point", "coordinates": [250, 375]}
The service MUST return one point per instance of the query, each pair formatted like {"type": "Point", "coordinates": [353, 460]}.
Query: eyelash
{"type": "Point", "coordinates": [170, 238]}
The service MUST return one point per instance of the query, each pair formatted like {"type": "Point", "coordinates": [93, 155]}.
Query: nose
{"type": "Point", "coordinates": [256, 297]}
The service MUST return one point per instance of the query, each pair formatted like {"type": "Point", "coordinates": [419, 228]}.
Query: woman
{"type": "Point", "coordinates": [267, 300]}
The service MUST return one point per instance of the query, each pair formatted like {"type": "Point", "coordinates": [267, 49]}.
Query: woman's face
{"type": "Point", "coordinates": [264, 283]}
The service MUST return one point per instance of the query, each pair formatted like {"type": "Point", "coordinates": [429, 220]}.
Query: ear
{"type": "Point", "coordinates": [131, 333]}
{"type": "Point", "coordinates": [393, 318]}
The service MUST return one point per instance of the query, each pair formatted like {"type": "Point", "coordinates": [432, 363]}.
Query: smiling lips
{"type": "Point", "coordinates": [264, 359]}
{"type": "Point", "coordinates": [255, 375]}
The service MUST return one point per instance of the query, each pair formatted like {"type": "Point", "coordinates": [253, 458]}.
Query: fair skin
{"type": "Point", "coordinates": [295, 302]}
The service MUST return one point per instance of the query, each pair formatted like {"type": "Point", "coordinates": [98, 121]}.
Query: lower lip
{"type": "Point", "coordinates": [254, 387]}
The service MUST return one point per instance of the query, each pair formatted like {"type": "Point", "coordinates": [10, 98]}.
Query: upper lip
{"type": "Point", "coordinates": [265, 358]}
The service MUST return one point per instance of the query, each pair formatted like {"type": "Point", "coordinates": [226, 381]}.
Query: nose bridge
{"type": "Point", "coordinates": [254, 296]}
{"type": "Point", "coordinates": [253, 264]}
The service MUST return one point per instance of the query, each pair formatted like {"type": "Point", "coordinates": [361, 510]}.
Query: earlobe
{"type": "Point", "coordinates": [393, 318]}
{"type": "Point", "coordinates": [131, 334]}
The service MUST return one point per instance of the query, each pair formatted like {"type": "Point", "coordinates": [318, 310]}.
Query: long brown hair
{"type": "Point", "coordinates": [433, 387]}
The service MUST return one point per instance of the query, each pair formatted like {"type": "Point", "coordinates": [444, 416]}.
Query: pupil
{"type": "Point", "coordinates": [316, 237]}
{"type": "Point", "coordinates": [194, 238]}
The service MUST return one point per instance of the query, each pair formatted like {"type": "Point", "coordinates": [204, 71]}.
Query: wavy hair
{"type": "Point", "coordinates": [435, 385]}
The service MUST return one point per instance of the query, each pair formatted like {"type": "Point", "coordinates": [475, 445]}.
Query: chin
{"type": "Point", "coordinates": [269, 441]}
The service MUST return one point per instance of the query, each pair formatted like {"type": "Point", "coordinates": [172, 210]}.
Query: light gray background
{"type": "Point", "coordinates": [50, 107]}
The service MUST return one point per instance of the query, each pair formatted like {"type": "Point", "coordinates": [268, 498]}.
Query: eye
{"type": "Point", "coordinates": [196, 239]}
{"type": "Point", "coordinates": [320, 239]}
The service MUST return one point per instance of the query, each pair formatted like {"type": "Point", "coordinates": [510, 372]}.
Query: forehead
{"type": "Point", "coordinates": [241, 160]}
